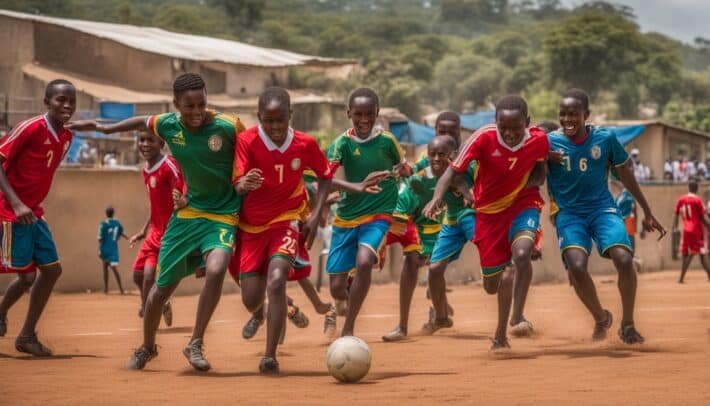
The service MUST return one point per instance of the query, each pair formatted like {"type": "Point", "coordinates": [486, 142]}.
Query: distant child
{"type": "Point", "coordinates": [578, 182]}
{"type": "Point", "coordinates": [276, 224]}
{"type": "Point", "coordinates": [447, 123]}
{"type": "Point", "coordinates": [362, 219]}
{"type": "Point", "coordinates": [30, 155]}
{"type": "Point", "coordinates": [691, 209]}
{"type": "Point", "coordinates": [162, 177]}
{"type": "Point", "coordinates": [110, 230]}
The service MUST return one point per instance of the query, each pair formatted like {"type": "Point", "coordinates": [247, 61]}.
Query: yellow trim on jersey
{"type": "Point", "coordinates": [189, 213]}
{"type": "Point", "coordinates": [413, 248]}
{"type": "Point", "coordinates": [401, 216]}
{"type": "Point", "coordinates": [356, 222]}
{"type": "Point", "coordinates": [430, 228]}
{"type": "Point", "coordinates": [396, 144]}
{"type": "Point", "coordinates": [296, 214]}
{"type": "Point", "coordinates": [505, 201]}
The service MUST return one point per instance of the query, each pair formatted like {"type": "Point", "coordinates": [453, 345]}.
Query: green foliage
{"type": "Point", "coordinates": [694, 116]}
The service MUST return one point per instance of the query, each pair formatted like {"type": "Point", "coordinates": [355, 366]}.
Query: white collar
{"type": "Point", "coordinates": [49, 126]}
{"type": "Point", "coordinates": [156, 166]}
{"type": "Point", "coordinates": [374, 133]}
{"type": "Point", "coordinates": [270, 144]}
{"type": "Point", "coordinates": [429, 172]}
{"type": "Point", "coordinates": [515, 148]}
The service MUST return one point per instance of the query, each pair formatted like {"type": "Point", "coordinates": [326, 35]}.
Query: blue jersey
{"type": "Point", "coordinates": [579, 184]}
{"type": "Point", "coordinates": [110, 231]}
{"type": "Point", "coordinates": [625, 203]}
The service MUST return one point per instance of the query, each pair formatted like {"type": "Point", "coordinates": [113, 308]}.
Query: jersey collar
{"type": "Point", "coordinates": [156, 166]}
{"type": "Point", "coordinates": [270, 144]}
{"type": "Point", "coordinates": [515, 148]}
{"type": "Point", "coordinates": [50, 128]}
{"type": "Point", "coordinates": [429, 172]}
{"type": "Point", "coordinates": [375, 132]}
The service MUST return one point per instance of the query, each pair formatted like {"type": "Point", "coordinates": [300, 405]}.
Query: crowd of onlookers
{"type": "Point", "coordinates": [681, 170]}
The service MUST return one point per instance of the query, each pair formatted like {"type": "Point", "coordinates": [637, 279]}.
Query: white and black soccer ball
{"type": "Point", "coordinates": [348, 359]}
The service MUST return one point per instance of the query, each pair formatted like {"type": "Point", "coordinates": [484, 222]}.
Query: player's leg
{"type": "Point", "coordinates": [319, 305]}
{"type": "Point", "coordinates": [253, 287]}
{"type": "Point", "coordinates": [501, 284]}
{"type": "Point", "coordinates": [105, 266]}
{"type": "Point", "coordinates": [148, 281]}
{"type": "Point", "coordinates": [114, 269]}
{"type": "Point", "coordinates": [523, 233]}
{"type": "Point", "coordinates": [341, 260]}
{"type": "Point", "coordinates": [407, 284]}
{"type": "Point", "coordinates": [276, 312]}
{"type": "Point", "coordinates": [685, 264]}
{"type": "Point", "coordinates": [706, 264]}
{"type": "Point", "coordinates": [576, 260]}
{"type": "Point", "coordinates": [21, 284]}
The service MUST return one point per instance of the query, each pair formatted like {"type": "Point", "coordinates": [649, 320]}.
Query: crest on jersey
{"type": "Point", "coordinates": [596, 152]}
{"type": "Point", "coordinates": [215, 143]}
{"type": "Point", "coordinates": [179, 139]}
{"type": "Point", "coordinates": [357, 152]}
{"type": "Point", "coordinates": [153, 183]}
{"type": "Point", "coordinates": [295, 164]}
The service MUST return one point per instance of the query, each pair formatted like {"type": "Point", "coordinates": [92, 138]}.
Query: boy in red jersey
{"type": "Point", "coordinates": [30, 155]}
{"type": "Point", "coordinates": [162, 176]}
{"type": "Point", "coordinates": [692, 210]}
{"type": "Point", "coordinates": [271, 219]}
{"type": "Point", "coordinates": [507, 204]}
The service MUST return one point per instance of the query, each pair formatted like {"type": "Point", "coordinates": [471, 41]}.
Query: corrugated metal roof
{"type": "Point", "coordinates": [181, 46]}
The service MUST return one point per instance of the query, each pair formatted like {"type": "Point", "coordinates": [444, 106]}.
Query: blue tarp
{"type": "Point", "coordinates": [626, 134]}
{"type": "Point", "coordinates": [474, 121]}
{"type": "Point", "coordinates": [411, 132]}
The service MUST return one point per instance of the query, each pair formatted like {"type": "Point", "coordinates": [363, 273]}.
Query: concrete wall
{"type": "Point", "coordinates": [245, 81]}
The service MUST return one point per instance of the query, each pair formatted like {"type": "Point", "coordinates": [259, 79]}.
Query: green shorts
{"type": "Point", "coordinates": [184, 245]}
{"type": "Point", "coordinates": [428, 242]}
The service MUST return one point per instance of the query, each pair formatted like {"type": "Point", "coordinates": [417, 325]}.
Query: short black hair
{"type": "Point", "coordinates": [548, 126]}
{"type": "Point", "coordinates": [447, 116]}
{"type": "Point", "coordinates": [109, 212]}
{"type": "Point", "coordinates": [363, 92]}
{"type": "Point", "coordinates": [278, 94]}
{"type": "Point", "coordinates": [50, 90]}
{"type": "Point", "coordinates": [512, 102]}
{"type": "Point", "coordinates": [578, 94]}
{"type": "Point", "coordinates": [188, 81]}
{"type": "Point", "coordinates": [445, 140]}
{"type": "Point", "coordinates": [693, 186]}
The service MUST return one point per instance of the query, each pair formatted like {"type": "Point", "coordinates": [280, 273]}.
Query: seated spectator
{"type": "Point", "coordinates": [668, 169]}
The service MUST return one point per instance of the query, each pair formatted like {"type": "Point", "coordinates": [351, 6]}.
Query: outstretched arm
{"type": "Point", "coordinates": [369, 185]}
{"type": "Point", "coordinates": [538, 174]}
{"type": "Point", "coordinates": [137, 123]}
{"type": "Point", "coordinates": [626, 175]}
{"type": "Point", "coordinates": [310, 228]}
{"type": "Point", "coordinates": [434, 208]}
{"type": "Point", "coordinates": [139, 235]}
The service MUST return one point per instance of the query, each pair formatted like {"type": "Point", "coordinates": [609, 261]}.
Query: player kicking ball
{"type": "Point", "coordinates": [578, 182]}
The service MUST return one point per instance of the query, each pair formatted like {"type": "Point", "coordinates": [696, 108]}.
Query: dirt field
{"type": "Point", "coordinates": [93, 336]}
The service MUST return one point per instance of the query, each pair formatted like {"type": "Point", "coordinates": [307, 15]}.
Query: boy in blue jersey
{"type": "Point", "coordinates": [577, 179]}
{"type": "Point", "coordinates": [110, 230]}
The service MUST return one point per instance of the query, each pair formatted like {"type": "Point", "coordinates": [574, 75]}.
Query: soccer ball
{"type": "Point", "coordinates": [348, 359]}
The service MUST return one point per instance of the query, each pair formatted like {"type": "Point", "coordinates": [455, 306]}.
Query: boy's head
{"type": "Point", "coordinates": [574, 112]}
{"type": "Point", "coordinates": [363, 108]}
{"type": "Point", "coordinates": [275, 113]}
{"type": "Point", "coordinates": [149, 145]}
{"type": "Point", "coordinates": [440, 151]}
{"type": "Point", "coordinates": [548, 126]}
{"type": "Point", "coordinates": [190, 99]}
{"type": "Point", "coordinates": [512, 119]}
{"type": "Point", "coordinates": [60, 100]}
{"type": "Point", "coordinates": [109, 212]}
{"type": "Point", "coordinates": [449, 123]}
{"type": "Point", "coordinates": [693, 186]}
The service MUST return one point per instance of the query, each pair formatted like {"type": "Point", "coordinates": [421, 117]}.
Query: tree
{"type": "Point", "coordinates": [469, 81]}
{"type": "Point", "coordinates": [244, 12]}
{"type": "Point", "coordinates": [693, 116]}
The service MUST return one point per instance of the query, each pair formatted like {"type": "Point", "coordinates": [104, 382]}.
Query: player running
{"type": "Point", "coordinates": [578, 182]}
{"type": "Point", "coordinates": [692, 210]}
{"type": "Point", "coordinates": [30, 155]}
{"type": "Point", "coordinates": [110, 231]}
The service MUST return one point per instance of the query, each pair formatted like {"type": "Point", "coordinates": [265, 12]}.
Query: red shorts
{"type": "Point", "coordinates": [494, 232]}
{"type": "Point", "coordinates": [7, 270]}
{"type": "Point", "coordinates": [630, 223]}
{"type": "Point", "coordinates": [403, 234]}
{"type": "Point", "coordinates": [148, 253]}
{"type": "Point", "coordinates": [693, 243]}
{"type": "Point", "coordinates": [255, 250]}
{"type": "Point", "coordinates": [302, 266]}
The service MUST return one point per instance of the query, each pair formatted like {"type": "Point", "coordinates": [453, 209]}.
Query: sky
{"type": "Point", "coordinates": [680, 19]}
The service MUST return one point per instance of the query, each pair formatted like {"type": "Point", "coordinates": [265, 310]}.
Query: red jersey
{"type": "Point", "coordinates": [691, 209]}
{"type": "Point", "coordinates": [32, 153]}
{"type": "Point", "coordinates": [502, 172]}
{"type": "Point", "coordinates": [282, 196]}
{"type": "Point", "coordinates": [160, 180]}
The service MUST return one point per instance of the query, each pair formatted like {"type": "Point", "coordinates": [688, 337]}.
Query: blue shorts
{"type": "Point", "coordinates": [605, 228]}
{"type": "Point", "coordinates": [452, 239]}
{"type": "Point", "coordinates": [110, 256]}
{"type": "Point", "coordinates": [346, 241]}
{"type": "Point", "coordinates": [26, 245]}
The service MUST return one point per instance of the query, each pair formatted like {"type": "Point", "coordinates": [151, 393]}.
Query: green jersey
{"type": "Point", "coordinates": [206, 158]}
{"type": "Point", "coordinates": [422, 162]}
{"type": "Point", "coordinates": [412, 198]}
{"type": "Point", "coordinates": [455, 206]}
{"type": "Point", "coordinates": [359, 158]}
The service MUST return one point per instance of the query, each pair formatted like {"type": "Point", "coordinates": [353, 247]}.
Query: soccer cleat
{"type": "Point", "coordinates": [141, 356]}
{"type": "Point", "coordinates": [499, 344]}
{"type": "Point", "coordinates": [249, 330]}
{"type": "Point", "coordinates": [194, 354]}
{"type": "Point", "coordinates": [269, 365]}
{"type": "Point", "coordinates": [629, 335]}
{"type": "Point", "coordinates": [522, 329]}
{"type": "Point", "coordinates": [398, 334]}
{"type": "Point", "coordinates": [601, 327]}
{"type": "Point", "coordinates": [31, 345]}
{"type": "Point", "coordinates": [168, 313]}
{"type": "Point", "coordinates": [297, 317]}
{"type": "Point", "coordinates": [3, 325]}
{"type": "Point", "coordinates": [330, 324]}
{"type": "Point", "coordinates": [434, 324]}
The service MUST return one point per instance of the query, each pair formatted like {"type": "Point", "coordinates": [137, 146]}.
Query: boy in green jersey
{"type": "Point", "coordinates": [447, 123]}
{"type": "Point", "coordinates": [416, 233]}
{"type": "Point", "coordinates": [202, 233]}
{"type": "Point", "coordinates": [362, 219]}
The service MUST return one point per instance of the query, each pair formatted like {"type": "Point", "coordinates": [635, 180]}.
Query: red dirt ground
{"type": "Point", "coordinates": [93, 336]}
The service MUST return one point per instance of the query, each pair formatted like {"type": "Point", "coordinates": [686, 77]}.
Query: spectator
{"type": "Point", "coordinates": [641, 172]}
{"type": "Point", "coordinates": [682, 170]}
{"type": "Point", "coordinates": [702, 170]}
{"type": "Point", "coordinates": [692, 168]}
{"type": "Point", "coordinates": [668, 169]}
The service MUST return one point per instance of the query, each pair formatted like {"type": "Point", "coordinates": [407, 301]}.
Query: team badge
{"type": "Point", "coordinates": [295, 164]}
{"type": "Point", "coordinates": [215, 143]}
{"type": "Point", "coordinates": [153, 183]}
{"type": "Point", "coordinates": [596, 152]}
